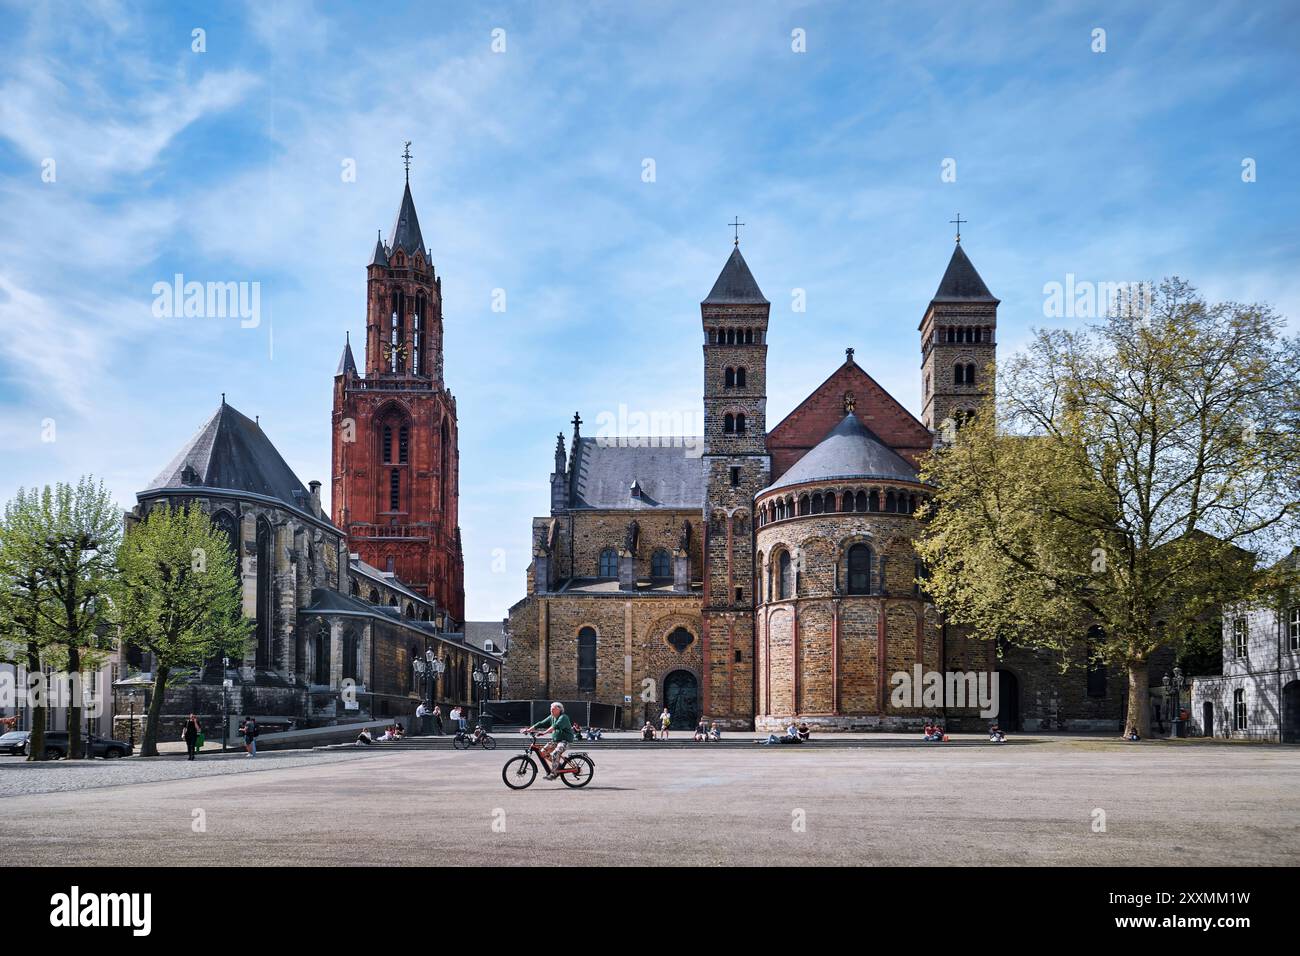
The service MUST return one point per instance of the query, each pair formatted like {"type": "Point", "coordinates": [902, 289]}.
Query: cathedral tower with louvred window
{"type": "Point", "coordinates": [395, 458]}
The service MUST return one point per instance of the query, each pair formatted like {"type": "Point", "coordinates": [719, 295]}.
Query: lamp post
{"type": "Point", "coordinates": [131, 719]}
{"type": "Point", "coordinates": [1175, 715]}
{"type": "Point", "coordinates": [225, 705]}
{"type": "Point", "coordinates": [484, 678]}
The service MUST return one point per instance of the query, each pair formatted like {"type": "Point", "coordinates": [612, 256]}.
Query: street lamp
{"type": "Point", "coordinates": [131, 719]}
{"type": "Point", "coordinates": [1175, 716]}
{"type": "Point", "coordinates": [225, 705]}
{"type": "Point", "coordinates": [484, 678]}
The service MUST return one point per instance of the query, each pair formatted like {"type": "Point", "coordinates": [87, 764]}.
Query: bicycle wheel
{"type": "Point", "coordinates": [489, 743]}
{"type": "Point", "coordinates": [519, 772]}
{"type": "Point", "coordinates": [584, 770]}
{"type": "Point", "coordinates": [460, 742]}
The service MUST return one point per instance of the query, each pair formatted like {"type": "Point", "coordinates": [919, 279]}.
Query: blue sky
{"type": "Point", "coordinates": [226, 165]}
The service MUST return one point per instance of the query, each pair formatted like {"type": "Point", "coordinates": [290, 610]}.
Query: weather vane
{"type": "Point", "coordinates": [736, 224]}
{"type": "Point", "coordinates": [959, 220]}
{"type": "Point", "coordinates": [406, 159]}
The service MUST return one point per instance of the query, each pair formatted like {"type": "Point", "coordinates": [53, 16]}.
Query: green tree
{"type": "Point", "coordinates": [24, 633]}
{"type": "Point", "coordinates": [177, 596]}
{"type": "Point", "coordinates": [81, 529]}
{"type": "Point", "coordinates": [1123, 479]}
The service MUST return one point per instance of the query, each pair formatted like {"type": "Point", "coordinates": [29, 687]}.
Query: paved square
{"type": "Point", "coordinates": [1027, 802]}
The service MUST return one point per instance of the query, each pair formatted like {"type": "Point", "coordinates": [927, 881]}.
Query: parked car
{"type": "Point", "coordinates": [15, 742]}
{"type": "Point", "coordinates": [56, 745]}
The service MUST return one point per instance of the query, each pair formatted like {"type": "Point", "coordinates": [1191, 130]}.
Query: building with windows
{"type": "Point", "coordinates": [754, 574]}
{"type": "Point", "coordinates": [1258, 695]}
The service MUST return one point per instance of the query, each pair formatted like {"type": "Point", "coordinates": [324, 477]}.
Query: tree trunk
{"type": "Point", "coordinates": [75, 749]}
{"type": "Point", "coordinates": [35, 680]}
{"type": "Point", "coordinates": [149, 743]}
{"type": "Point", "coordinates": [1139, 699]}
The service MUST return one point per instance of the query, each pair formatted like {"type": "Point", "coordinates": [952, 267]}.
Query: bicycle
{"type": "Point", "coordinates": [575, 770]}
{"type": "Point", "coordinates": [479, 737]}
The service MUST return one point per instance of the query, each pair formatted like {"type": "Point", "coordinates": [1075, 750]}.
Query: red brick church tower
{"type": "Point", "coordinates": [395, 458]}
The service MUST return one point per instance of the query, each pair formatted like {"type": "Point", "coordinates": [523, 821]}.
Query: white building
{"type": "Point", "coordinates": [1258, 696]}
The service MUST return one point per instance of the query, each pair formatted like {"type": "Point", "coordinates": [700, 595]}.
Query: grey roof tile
{"type": "Point", "coordinates": [961, 283]}
{"type": "Point", "coordinates": [735, 284]}
{"type": "Point", "coordinates": [406, 227]}
{"type": "Point", "coordinates": [850, 450]}
{"type": "Point", "coordinates": [669, 471]}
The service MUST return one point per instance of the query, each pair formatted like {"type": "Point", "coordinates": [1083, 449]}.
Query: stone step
{"type": "Point", "coordinates": [509, 742]}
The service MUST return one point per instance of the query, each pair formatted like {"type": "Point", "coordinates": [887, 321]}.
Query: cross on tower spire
{"type": "Point", "coordinates": [959, 220]}
{"type": "Point", "coordinates": [577, 423]}
{"type": "Point", "coordinates": [735, 224]}
{"type": "Point", "coordinates": [406, 160]}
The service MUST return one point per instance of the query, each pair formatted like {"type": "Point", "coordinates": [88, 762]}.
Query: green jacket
{"type": "Point", "coordinates": [561, 727]}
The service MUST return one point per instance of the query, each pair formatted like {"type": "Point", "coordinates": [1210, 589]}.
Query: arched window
{"type": "Point", "coordinates": [608, 563]}
{"type": "Point", "coordinates": [861, 502]}
{"type": "Point", "coordinates": [729, 379]}
{"type": "Point", "coordinates": [959, 374]}
{"type": "Point", "coordinates": [729, 423]}
{"type": "Point", "coordinates": [661, 564]}
{"type": "Point", "coordinates": [587, 659]}
{"type": "Point", "coordinates": [731, 336]}
{"type": "Point", "coordinates": [1096, 668]}
{"type": "Point", "coordinates": [817, 504]}
{"type": "Point", "coordinates": [265, 598]}
{"type": "Point", "coordinates": [740, 378]}
{"type": "Point", "coordinates": [388, 444]}
{"type": "Point", "coordinates": [859, 569]}
{"type": "Point", "coordinates": [321, 674]}
{"type": "Point", "coordinates": [395, 490]}
{"type": "Point", "coordinates": [224, 522]}
{"type": "Point", "coordinates": [749, 338]}
{"type": "Point", "coordinates": [350, 647]}
{"type": "Point", "coordinates": [373, 596]}
{"type": "Point", "coordinates": [740, 424]}
{"type": "Point", "coordinates": [444, 476]}
{"type": "Point", "coordinates": [890, 503]}
{"type": "Point", "coordinates": [354, 589]}
{"type": "Point", "coordinates": [417, 330]}
{"type": "Point", "coordinates": [830, 502]}
{"type": "Point", "coordinates": [970, 374]}
{"type": "Point", "coordinates": [873, 501]}
{"type": "Point", "coordinates": [785, 577]}
{"type": "Point", "coordinates": [805, 506]}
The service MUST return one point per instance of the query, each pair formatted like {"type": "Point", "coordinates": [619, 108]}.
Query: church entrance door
{"type": "Point", "coordinates": [1008, 701]}
{"type": "Point", "coordinates": [682, 696]}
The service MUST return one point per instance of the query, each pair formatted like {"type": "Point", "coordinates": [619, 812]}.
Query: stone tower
{"type": "Point", "coordinates": [396, 460]}
{"type": "Point", "coordinates": [737, 466]}
{"type": "Point", "coordinates": [958, 345]}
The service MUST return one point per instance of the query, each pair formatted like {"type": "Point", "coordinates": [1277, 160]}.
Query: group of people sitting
{"type": "Point", "coordinates": [996, 736]}
{"type": "Point", "coordinates": [395, 732]}
{"type": "Point", "coordinates": [707, 731]}
{"type": "Point", "coordinates": [793, 735]}
{"type": "Point", "coordinates": [935, 733]}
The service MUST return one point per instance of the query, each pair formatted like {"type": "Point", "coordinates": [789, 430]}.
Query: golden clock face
{"type": "Point", "coordinates": [390, 350]}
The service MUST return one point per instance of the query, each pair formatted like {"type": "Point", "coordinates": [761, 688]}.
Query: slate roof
{"type": "Point", "coordinates": [476, 632]}
{"type": "Point", "coordinates": [735, 285]}
{"type": "Point", "coordinates": [670, 473]}
{"type": "Point", "coordinates": [850, 450]}
{"type": "Point", "coordinates": [406, 227]}
{"type": "Point", "coordinates": [232, 453]}
{"type": "Point", "coordinates": [380, 256]}
{"type": "Point", "coordinates": [347, 363]}
{"type": "Point", "coordinates": [961, 283]}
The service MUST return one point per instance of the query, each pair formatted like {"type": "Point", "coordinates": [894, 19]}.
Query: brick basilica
{"type": "Point", "coordinates": [774, 575]}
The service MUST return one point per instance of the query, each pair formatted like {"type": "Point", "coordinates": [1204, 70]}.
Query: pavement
{"type": "Point", "coordinates": [1057, 801]}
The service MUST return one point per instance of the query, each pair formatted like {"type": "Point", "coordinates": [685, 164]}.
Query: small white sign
{"type": "Point", "coordinates": [227, 683]}
{"type": "Point", "coordinates": [351, 705]}
{"type": "Point", "coordinates": [627, 698]}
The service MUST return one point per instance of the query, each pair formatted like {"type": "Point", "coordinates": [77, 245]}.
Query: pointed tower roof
{"type": "Point", "coordinates": [380, 256]}
{"type": "Point", "coordinates": [961, 283]}
{"type": "Point", "coordinates": [231, 452]}
{"type": "Point", "coordinates": [735, 285]}
{"type": "Point", "coordinates": [347, 363]}
{"type": "Point", "coordinates": [850, 450]}
{"type": "Point", "coordinates": [406, 227]}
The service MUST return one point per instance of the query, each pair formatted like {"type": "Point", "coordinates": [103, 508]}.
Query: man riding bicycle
{"type": "Point", "coordinates": [561, 728]}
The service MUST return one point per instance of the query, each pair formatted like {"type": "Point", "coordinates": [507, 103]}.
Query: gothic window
{"type": "Point", "coordinates": [417, 329]}
{"type": "Point", "coordinates": [661, 565]}
{"type": "Point", "coordinates": [680, 639]}
{"type": "Point", "coordinates": [373, 596]}
{"type": "Point", "coordinates": [785, 577]}
{"type": "Point", "coordinates": [740, 378]}
{"type": "Point", "coordinates": [927, 384]}
{"type": "Point", "coordinates": [740, 424]}
{"type": "Point", "coordinates": [859, 569]}
{"type": "Point", "coordinates": [444, 476]}
{"type": "Point", "coordinates": [587, 659]}
{"type": "Point", "coordinates": [729, 423]}
{"type": "Point", "coordinates": [354, 589]}
{"type": "Point", "coordinates": [388, 443]}
{"type": "Point", "coordinates": [321, 675]}
{"type": "Point", "coordinates": [1239, 708]}
{"type": "Point", "coordinates": [1239, 637]}
{"type": "Point", "coordinates": [403, 444]}
{"type": "Point", "coordinates": [729, 379]}
{"type": "Point", "coordinates": [608, 563]}
{"type": "Point", "coordinates": [1293, 628]}
{"type": "Point", "coordinates": [350, 648]}
{"type": "Point", "coordinates": [224, 522]}
{"type": "Point", "coordinates": [396, 333]}
{"type": "Point", "coordinates": [265, 599]}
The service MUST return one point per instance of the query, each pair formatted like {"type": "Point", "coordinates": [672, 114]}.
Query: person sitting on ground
{"type": "Point", "coordinates": [714, 732]}
{"type": "Point", "coordinates": [791, 735]}
{"type": "Point", "coordinates": [996, 735]}
{"type": "Point", "coordinates": [701, 730]}
{"type": "Point", "coordinates": [648, 731]}
{"type": "Point", "coordinates": [364, 737]}
{"type": "Point", "coordinates": [804, 731]}
{"type": "Point", "coordinates": [399, 731]}
{"type": "Point", "coordinates": [594, 733]}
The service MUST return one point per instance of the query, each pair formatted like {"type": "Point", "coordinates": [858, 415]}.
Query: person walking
{"type": "Point", "coordinates": [664, 720]}
{"type": "Point", "coordinates": [249, 730]}
{"type": "Point", "coordinates": [191, 735]}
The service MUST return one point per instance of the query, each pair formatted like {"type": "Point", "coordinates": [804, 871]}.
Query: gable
{"type": "Point", "coordinates": [821, 411]}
